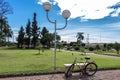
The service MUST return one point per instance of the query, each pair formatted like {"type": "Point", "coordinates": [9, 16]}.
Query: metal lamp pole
{"type": "Point", "coordinates": [66, 14]}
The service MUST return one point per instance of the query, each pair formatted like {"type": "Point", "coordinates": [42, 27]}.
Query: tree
{"type": "Point", "coordinates": [58, 38]}
{"type": "Point", "coordinates": [48, 38]}
{"type": "Point", "coordinates": [64, 43]}
{"type": "Point", "coordinates": [80, 37]}
{"type": "Point", "coordinates": [117, 47]}
{"type": "Point", "coordinates": [6, 30]}
{"type": "Point", "coordinates": [21, 37]}
{"type": "Point", "coordinates": [40, 47]}
{"type": "Point", "coordinates": [44, 34]}
{"type": "Point", "coordinates": [1, 24]}
{"type": "Point", "coordinates": [59, 45]}
{"type": "Point", "coordinates": [1, 38]}
{"type": "Point", "coordinates": [97, 47]}
{"type": "Point", "coordinates": [28, 33]}
{"type": "Point", "coordinates": [105, 47]}
{"type": "Point", "coordinates": [5, 9]}
{"type": "Point", "coordinates": [110, 46]}
{"type": "Point", "coordinates": [44, 31]}
{"type": "Point", "coordinates": [35, 31]}
{"type": "Point", "coordinates": [10, 33]}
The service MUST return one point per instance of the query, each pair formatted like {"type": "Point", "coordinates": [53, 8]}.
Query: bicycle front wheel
{"type": "Point", "coordinates": [90, 69]}
{"type": "Point", "coordinates": [69, 71]}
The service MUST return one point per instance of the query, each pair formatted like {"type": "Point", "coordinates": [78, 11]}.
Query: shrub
{"type": "Point", "coordinates": [91, 48]}
{"type": "Point", "coordinates": [82, 49]}
{"type": "Point", "coordinates": [76, 48]}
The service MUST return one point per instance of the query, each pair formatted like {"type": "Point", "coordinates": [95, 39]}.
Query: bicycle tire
{"type": "Point", "coordinates": [68, 72]}
{"type": "Point", "coordinates": [90, 69]}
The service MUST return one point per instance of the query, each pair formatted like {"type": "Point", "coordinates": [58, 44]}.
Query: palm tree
{"type": "Point", "coordinates": [80, 37]}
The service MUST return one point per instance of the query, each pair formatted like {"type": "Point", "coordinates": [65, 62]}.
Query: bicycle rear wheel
{"type": "Point", "coordinates": [90, 69]}
{"type": "Point", "coordinates": [68, 73]}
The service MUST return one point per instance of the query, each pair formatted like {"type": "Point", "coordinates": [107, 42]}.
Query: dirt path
{"type": "Point", "coordinates": [100, 75]}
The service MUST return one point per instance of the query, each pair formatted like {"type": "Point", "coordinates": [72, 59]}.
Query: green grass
{"type": "Point", "coordinates": [111, 53]}
{"type": "Point", "coordinates": [28, 61]}
{"type": "Point", "coordinates": [106, 63]}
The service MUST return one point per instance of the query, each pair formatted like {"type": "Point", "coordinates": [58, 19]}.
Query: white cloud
{"type": "Point", "coordinates": [116, 13]}
{"type": "Point", "coordinates": [42, 1]}
{"type": "Point", "coordinates": [87, 9]}
{"type": "Point", "coordinates": [90, 9]}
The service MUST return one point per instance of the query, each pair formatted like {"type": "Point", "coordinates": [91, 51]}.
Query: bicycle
{"type": "Point", "coordinates": [88, 67]}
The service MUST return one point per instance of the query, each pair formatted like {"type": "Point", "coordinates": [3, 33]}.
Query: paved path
{"type": "Point", "coordinates": [100, 75]}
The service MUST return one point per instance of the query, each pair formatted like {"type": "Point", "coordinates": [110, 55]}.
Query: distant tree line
{"type": "Point", "coordinates": [110, 46]}
{"type": "Point", "coordinates": [31, 36]}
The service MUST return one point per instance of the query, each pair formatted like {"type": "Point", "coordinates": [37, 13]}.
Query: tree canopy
{"type": "Point", "coordinates": [5, 9]}
{"type": "Point", "coordinates": [5, 29]}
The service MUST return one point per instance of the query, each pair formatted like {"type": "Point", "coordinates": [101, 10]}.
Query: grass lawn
{"type": "Point", "coordinates": [28, 61]}
{"type": "Point", "coordinates": [111, 53]}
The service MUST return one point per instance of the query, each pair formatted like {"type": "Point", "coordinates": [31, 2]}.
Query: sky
{"type": "Point", "coordinates": [99, 20]}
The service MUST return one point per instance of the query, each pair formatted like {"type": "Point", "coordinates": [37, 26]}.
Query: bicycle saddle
{"type": "Point", "coordinates": [87, 58]}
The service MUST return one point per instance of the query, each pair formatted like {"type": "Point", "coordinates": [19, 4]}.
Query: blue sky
{"type": "Point", "coordinates": [100, 19]}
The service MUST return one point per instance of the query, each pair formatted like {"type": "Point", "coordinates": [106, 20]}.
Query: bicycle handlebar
{"type": "Point", "coordinates": [86, 58]}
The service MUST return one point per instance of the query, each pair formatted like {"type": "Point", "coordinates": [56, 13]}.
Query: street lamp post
{"type": "Point", "coordinates": [66, 14]}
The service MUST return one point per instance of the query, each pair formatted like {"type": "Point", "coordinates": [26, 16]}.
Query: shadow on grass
{"type": "Point", "coordinates": [38, 54]}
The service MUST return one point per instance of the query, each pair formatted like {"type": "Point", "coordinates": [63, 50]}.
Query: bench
{"type": "Point", "coordinates": [77, 64]}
